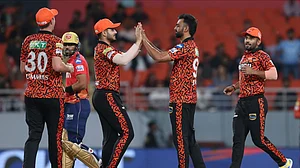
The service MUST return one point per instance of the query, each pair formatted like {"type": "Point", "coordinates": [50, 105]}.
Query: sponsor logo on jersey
{"type": "Point", "coordinates": [79, 68]}
{"type": "Point", "coordinates": [38, 45]}
{"type": "Point", "coordinates": [245, 64]}
{"type": "Point", "coordinates": [58, 51]}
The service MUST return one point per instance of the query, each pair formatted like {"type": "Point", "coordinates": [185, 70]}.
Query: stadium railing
{"type": "Point", "coordinates": [148, 99]}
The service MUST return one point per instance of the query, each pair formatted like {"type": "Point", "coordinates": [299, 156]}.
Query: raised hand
{"type": "Point", "coordinates": [138, 33]}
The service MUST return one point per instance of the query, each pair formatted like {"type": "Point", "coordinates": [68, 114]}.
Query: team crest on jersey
{"type": "Point", "coordinates": [78, 61]}
{"type": "Point", "coordinates": [79, 68]}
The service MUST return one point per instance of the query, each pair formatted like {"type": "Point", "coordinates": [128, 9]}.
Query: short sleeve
{"type": "Point", "coordinates": [177, 52]}
{"type": "Point", "coordinates": [24, 50]}
{"type": "Point", "coordinates": [266, 62]}
{"type": "Point", "coordinates": [110, 53]}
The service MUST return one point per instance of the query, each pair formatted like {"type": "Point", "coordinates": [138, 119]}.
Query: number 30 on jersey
{"type": "Point", "coordinates": [32, 65]}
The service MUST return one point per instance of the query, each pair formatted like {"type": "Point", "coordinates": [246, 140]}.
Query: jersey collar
{"type": "Point", "coordinates": [187, 39]}
{"type": "Point", "coordinates": [253, 51]}
{"type": "Point", "coordinates": [102, 42]}
{"type": "Point", "coordinates": [45, 32]}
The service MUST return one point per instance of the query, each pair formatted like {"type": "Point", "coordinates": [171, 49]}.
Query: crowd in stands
{"type": "Point", "coordinates": [218, 67]}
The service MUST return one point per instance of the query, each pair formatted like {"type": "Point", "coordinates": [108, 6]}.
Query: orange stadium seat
{"type": "Point", "coordinates": [295, 83]}
{"type": "Point", "coordinates": [161, 70]}
{"type": "Point", "coordinates": [233, 12]}
{"type": "Point", "coordinates": [18, 84]}
{"type": "Point", "coordinates": [126, 75]}
{"type": "Point", "coordinates": [269, 38]}
{"type": "Point", "coordinates": [140, 78]}
{"type": "Point", "coordinates": [274, 83]}
{"type": "Point", "coordinates": [3, 65]}
{"type": "Point", "coordinates": [294, 22]}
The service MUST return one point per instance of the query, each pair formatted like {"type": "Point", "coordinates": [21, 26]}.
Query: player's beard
{"type": "Point", "coordinates": [249, 46]}
{"type": "Point", "coordinates": [111, 38]}
{"type": "Point", "coordinates": [179, 34]}
{"type": "Point", "coordinates": [68, 52]}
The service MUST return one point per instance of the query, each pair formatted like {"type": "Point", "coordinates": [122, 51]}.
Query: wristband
{"type": "Point", "coordinates": [233, 87]}
{"type": "Point", "coordinates": [69, 89]}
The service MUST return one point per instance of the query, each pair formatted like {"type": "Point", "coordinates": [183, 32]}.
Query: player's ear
{"type": "Point", "coordinates": [186, 28]}
{"type": "Point", "coordinates": [104, 33]}
{"type": "Point", "coordinates": [258, 42]}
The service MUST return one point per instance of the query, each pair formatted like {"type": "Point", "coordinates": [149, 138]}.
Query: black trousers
{"type": "Point", "coordinates": [250, 115]}
{"type": "Point", "coordinates": [116, 126]}
{"type": "Point", "coordinates": [38, 112]}
{"type": "Point", "coordinates": [182, 120]}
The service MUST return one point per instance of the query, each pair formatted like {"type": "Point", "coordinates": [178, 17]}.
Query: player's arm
{"type": "Point", "coordinates": [59, 66]}
{"type": "Point", "coordinates": [24, 55]}
{"type": "Point", "coordinates": [236, 85]}
{"type": "Point", "coordinates": [230, 89]}
{"type": "Point", "coordinates": [57, 63]}
{"type": "Point", "coordinates": [154, 52]}
{"type": "Point", "coordinates": [22, 67]}
{"type": "Point", "coordinates": [125, 58]}
{"type": "Point", "coordinates": [79, 85]}
{"type": "Point", "coordinates": [270, 72]}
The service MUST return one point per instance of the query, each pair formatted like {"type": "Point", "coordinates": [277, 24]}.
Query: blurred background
{"type": "Point", "coordinates": [144, 84]}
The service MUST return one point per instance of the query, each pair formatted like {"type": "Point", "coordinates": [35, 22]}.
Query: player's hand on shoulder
{"type": "Point", "coordinates": [71, 67]}
{"type": "Point", "coordinates": [228, 90]}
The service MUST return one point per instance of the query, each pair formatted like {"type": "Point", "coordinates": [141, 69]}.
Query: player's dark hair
{"type": "Point", "coordinates": [191, 21]}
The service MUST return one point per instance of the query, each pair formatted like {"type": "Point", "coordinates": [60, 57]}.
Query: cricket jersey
{"type": "Point", "coordinates": [183, 80]}
{"type": "Point", "coordinates": [251, 85]}
{"type": "Point", "coordinates": [37, 52]}
{"type": "Point", "coordinates": [107, 73]}
{"type": "Point", "coordinates": [80, 67]}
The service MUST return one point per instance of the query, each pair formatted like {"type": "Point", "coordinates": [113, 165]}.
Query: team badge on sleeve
{"type": "Point", "coordinates": [173, 50]}
{"type": "Point", "coordinates": [107, 50]}
{"type": "Point", "coordinates": [78, 61]}
{"type": "Point", "coordinates": [179, 46]}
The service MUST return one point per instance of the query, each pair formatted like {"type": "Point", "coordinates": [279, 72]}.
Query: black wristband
{"type": "Point", "coordinates": [233, 87]}
{"type": "Point", "coordinates": [69, 89]}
